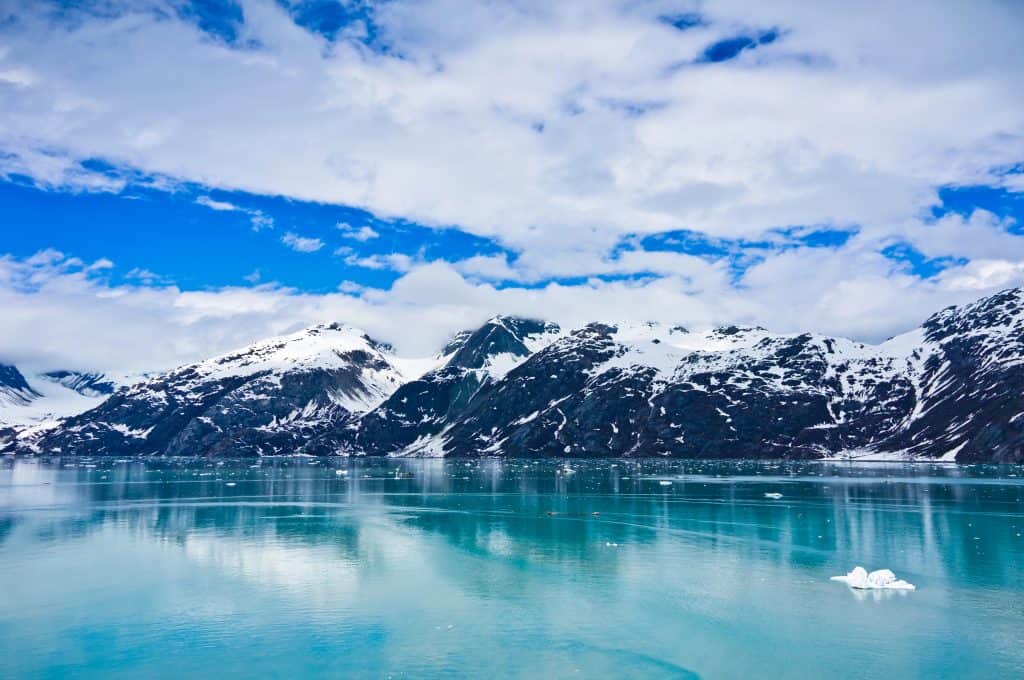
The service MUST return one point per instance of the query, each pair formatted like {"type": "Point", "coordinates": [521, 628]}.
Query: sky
{"type": "Point", "coordinates": [182, 177]}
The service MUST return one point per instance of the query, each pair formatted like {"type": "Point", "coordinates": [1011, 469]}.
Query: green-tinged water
{"type": "Point", "coordinates": [427, 568]}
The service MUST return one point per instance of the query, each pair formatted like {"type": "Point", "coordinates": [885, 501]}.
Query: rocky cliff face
{"type": "Point", "coordinates": [15, 393]}
{"type": "Point", "coordinates": [950, 389]}
{"type": "Point", "coordinates": [14, 389]}
{"type": "Point", "coordinates": [967, 365]}
{"type": "Point", "coordinates": [474, 361]}
{"type": "Point", "coordinates": [87, 384]}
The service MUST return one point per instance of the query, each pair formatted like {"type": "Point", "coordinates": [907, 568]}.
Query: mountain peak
{"type": "Point", "coordinates": [319, 346]}
{"type": "Point", "coordinates": [523, 387]}
{"type": "Point", "coordinates": [734, 329]}
{"type": "Point", "coordinates": [511, 335]}
{"type": "Point", "coordinates": [1000, 313]}
{"type": "Point", "coordinates": [341, 327]}
{"type": "Point", "coordinates": [14, 388]}
{"type": "Point", "coordinates": [88, 384]}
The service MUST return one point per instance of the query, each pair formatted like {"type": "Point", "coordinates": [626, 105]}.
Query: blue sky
{"type": "Point", "coordinates": [428, 164]}
{"type": "Point", "coordinates": [174, 237]}
{"type": "Point", "coordinates": [178, 238]}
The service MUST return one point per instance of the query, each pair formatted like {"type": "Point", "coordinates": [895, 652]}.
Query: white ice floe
{"type": "Point", "coordinates": [775, 495]}
{"type": "Point", "coordinates": [882, 579]}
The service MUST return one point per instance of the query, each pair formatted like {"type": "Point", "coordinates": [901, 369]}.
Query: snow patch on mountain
{"type": "Point", "coordinates": [324, 347]}
{"type": "Point", "coordinates": [44, 398]}
{"type": "Point", "coordinates": [523, 387]}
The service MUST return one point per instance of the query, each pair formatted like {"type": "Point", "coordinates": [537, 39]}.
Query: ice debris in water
{"type": "Point", "coordinates": [775, 494]}
{"type": "Point", "coordinates": [882, 579]}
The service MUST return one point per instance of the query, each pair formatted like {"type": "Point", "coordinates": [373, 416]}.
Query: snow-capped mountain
{"type": "Point", "coordinates": [14, 389]}
{"type": "Point", "coordinates": [87, 384]}
{"type": "Point", "coordinates": [951, 389]}
{"type": "Point", "coordinates": [31, 402]}
{"type": "Point", "coordinates": [272, 397]}
{"type": "Point", "coordinates": [967, 365]}
{"type": "Point", "coordinates": [474, 360]}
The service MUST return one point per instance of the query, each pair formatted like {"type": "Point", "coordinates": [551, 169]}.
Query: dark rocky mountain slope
{"type": "Point", "coordinates": [951, 389]}
{"type": "Point", "coordinates": [270, 398]}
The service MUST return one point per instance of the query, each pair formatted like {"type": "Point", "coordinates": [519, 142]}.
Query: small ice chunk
{"type": "Point", "coordinates": [230, 484]}
{"type": "Point", "coordinates": [774, 494]}
{"type": "Point", "coordinates": [665, 482]}
{"type": "Point", "coordinates": [881, 579]}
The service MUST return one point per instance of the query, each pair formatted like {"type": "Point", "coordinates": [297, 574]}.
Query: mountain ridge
{"type": "Point", "coordinates": [949, 390]}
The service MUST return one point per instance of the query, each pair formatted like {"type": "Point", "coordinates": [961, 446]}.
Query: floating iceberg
{"type": "Point", "coordinates": [775, 495]}
{"type": "Point", "coordinates": [882, 579]}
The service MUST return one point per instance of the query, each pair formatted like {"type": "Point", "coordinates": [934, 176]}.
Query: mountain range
{"type": "Point", "coordinates": [951, 389]}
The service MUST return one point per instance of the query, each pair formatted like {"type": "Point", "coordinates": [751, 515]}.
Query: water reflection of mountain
{"type": "Point", "coordinates": [592, 517]}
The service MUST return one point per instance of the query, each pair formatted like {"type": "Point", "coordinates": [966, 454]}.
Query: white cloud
{"type": "Point", "coordinates": [487, 267]}
{"type": "Point", "coordinates": [52, 171]}
{"type": "Point", "coordinates": [509, 123]}
{"type": "Point", "coordinates": [260, 221]}
{"type": "Point", "coordinates": [980, 235]}
{"type": "Point", "coordinates": [982, 275]}
{"type": "Point", "coordinates": [223, 206]}
{"type": "Point", "coordinates": [350, 287]}
{"type": "Point", "coordinates": [257, 218]}
{"type": "Point", "coordinates": [17, 77]}
{"type": "Point", "coordinates": [147, 277]}
{"type": "Point", "coordinates": [302, 244]}
{"type": "Point", "coordinates": [397, 262]}
{"type": "Point", "coordinates": [362, 234]}
{"type": "Point", "coordinates": [142, 327]}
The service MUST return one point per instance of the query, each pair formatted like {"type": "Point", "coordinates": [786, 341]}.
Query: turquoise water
{"type": "Point", "coordinates": [426, 568]}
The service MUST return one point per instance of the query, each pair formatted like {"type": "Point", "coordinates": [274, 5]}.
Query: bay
{"type": "Point", "coordinates": [295, 567]}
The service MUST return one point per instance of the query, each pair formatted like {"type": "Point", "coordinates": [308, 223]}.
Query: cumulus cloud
{"type": "Point", "coordinates": [143, 326]}
{"type": "Point", "coordinates": [397, 262]}
{"type": "Point", "coordinates": [542, 124]}
{"type": "Point", "coordinates": [257, 218]}
{"type": "Point", "coordinates": [566, 132]}
{"type": "Point", "coordinates": [982, 275]}
{"type": "Point", "coordinates": [351, 287]}
{"type": "Point", "coordinates": [302, 244]}
{"type": "Point", "coordinates": [362, 234]}
{"type": "Point", "coordinates": [222, 206]}
{"type": "Point", "coordinates": [146, 277]}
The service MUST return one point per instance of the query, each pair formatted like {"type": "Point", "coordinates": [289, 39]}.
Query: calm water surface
{"type": "Point", "coordinates": [425, 568]}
